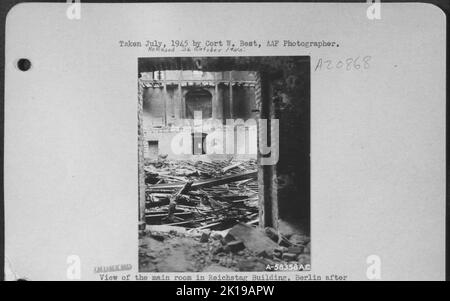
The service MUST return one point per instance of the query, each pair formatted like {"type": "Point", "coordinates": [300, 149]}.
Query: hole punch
{"type": "Point", "coordinates": [24, 64]}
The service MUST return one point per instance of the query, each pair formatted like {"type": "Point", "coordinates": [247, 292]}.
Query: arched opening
{"type": "Point", "coordinates": [198, 100]}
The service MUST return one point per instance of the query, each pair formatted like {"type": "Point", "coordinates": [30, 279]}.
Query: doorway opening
{"type": "Point", "coordinates": [198, 100]}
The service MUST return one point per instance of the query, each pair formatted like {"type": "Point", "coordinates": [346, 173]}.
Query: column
{"type": "Point", "coordinates": [180, 95]}
{"type": "Point", "coordinates": [215, 99]}
{"type": "Point", "coordinates": [231, 96]}
{"type": "Point", "coordinates": [165, 99]}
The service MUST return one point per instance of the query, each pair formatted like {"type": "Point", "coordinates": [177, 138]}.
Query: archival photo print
{"type": "Point", "coordinates": [224, 164]}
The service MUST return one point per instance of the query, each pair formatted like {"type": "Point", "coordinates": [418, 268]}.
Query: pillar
{"type": "Point", "coordinates": [231, 96]}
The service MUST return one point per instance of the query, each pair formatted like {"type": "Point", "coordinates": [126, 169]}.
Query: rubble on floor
{"type": "Point", "coordinates": [203, 216]}
{"type": "Point", "coordinates": [198, 194]}
{"type": "Point", "coordinates": [241, 248]}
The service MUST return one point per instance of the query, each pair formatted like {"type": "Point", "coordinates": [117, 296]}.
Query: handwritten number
{"type": "Point", "coordinates": [349, 63]}
{"type": "Point", "coordinates": [319, 65]}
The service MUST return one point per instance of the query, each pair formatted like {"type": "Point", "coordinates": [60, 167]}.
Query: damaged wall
{"type": "Point", "coordinates": [175, 95]}
{"type": "Point", "coordinates": [154, 98]}
{"type": "Point", "coordinates": [291, 98]}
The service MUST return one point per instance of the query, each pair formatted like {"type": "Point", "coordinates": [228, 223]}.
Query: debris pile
{"type": "Point", "coordinates": [203, 216]}
{"type": "Point", "coordinates": [241, 248]}
{"type": "Point", "coordinates": [203, 195]}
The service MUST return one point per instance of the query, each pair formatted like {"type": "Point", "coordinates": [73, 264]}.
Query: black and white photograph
{"type": "Point", "coordinates": [224, 187]}
{"type": "Point", "coordinates": [250, 145]}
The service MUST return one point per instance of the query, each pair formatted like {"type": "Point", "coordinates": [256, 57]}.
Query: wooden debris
{"type": "Point", "coordinates": [225, 169]}
{"type": "Point", "coordinates": [174, 199]}
{"type": "Point", "coordinates": [201, 195]}
{"type": "Point", "coordinates": [210, 182]}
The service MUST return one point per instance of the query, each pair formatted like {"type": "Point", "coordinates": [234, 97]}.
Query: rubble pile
{"type": "Point", "coordinates": [203, 217]}
{"type": "Point", "coordinates": [241, 248]}
{"type": "Point", "coordinates": [199, 194]}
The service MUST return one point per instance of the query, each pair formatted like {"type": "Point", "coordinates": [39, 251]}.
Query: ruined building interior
{"type": "Point", "coordinates": [171, 96]}
{"type": "Point", "coordinates": [206, 201]}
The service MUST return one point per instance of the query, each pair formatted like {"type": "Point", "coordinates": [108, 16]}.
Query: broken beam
{"type": "Point", "coordinates": [210, 182]}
